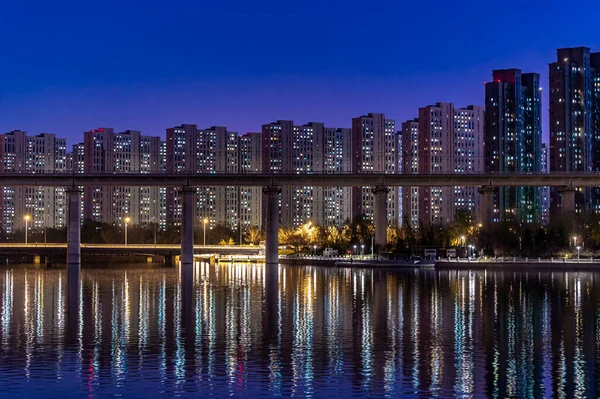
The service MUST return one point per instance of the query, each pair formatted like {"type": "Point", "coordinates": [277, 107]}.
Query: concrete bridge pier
{"type": "Point", "coordinates": [187, 227]}
{"type": "Point", "coordinates": [380, 216]}
{"type": "Point", "coordinates": [567, 203]}
{"type": "Point", "coordinates": [272, 239]}
{"type": "Point", "coordinates": [487, 206]}
{"type": "Point", "coordinates": [74, 228]}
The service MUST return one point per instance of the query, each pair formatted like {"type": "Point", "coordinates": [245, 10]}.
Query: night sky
{"type": "Point", "coordinates": [71, 66]}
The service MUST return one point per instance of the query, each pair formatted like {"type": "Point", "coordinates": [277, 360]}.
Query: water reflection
{"type": "Point", "coordinates": [301, 331]}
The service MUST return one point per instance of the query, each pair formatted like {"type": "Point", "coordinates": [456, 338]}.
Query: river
{"type": "Point", "coordinates": [324, 332]}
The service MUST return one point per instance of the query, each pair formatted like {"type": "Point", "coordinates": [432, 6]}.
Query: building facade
{"type": "Point", "coordinates": [444, 139]}
{"type": "Point", "coordinates": [306, 149]}
{"type": "Point", "coordinates": [545, 191]}
{"type": "Point", "coordinates": [105, 151]}
{"type": "Point", "coordinates": [45, 206]}
{"type": "Point", "coordinates": [337, 201]}
{"type": "Point", "coordinates": [250, 161]}
{"type": "Point", "coordinates": [575, 121]}
{"type": "Point", "coordinates": [374, 150]}
{"type": "Point", "coordinates": [513, 139]}
{"type": "Point", "coordinates": [203, 151]}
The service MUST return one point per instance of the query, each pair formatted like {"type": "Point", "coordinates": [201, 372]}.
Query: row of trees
{"type": "Point", "coordinates": [93, 232]}
{"type": "Point", "coordinates": [508, 239]}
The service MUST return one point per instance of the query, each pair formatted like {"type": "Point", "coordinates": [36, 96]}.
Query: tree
{"type": "Point", "coordinates": [254, 235]}
{"type": "Point", "coordinates": [407, 231]}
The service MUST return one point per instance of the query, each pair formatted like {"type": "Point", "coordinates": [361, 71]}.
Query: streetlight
{"type": "Point", "coordinates": [354, 252]}
{"type": "Point", "coordinates": [127, 220]}
{"type": "Point", "coordinates": [315, 248]}
{"type": "Point", "coordinates": [372, 247]}
{"type": "Point", "coordinates": [27, 218]}
{"type": "Point", "coordinates": [204, 222]}
{"type": "Point", "coordinates": [578, 248]}
{"type": "Point", "coordinates": [362, 249]}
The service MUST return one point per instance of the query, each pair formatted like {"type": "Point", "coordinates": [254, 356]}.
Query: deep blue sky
{"type": "Point", "coordinates": [70, 66]}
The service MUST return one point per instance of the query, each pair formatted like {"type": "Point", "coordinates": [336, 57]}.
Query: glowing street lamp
{"type": "Point", "coordinates": [578, 248]}
{"type": "Point", "coordinates": [205, 222]}
{"type": "Point", "coordinates": [354, 252]}
{"type": "Point", "coordinates": [27, 219]}
{"type": "Point", "coordinates": [315, 248]}
{"type": "Point", "coordinates": [362, 249]}
{"type": "Point", "coordinates": [127, 220]}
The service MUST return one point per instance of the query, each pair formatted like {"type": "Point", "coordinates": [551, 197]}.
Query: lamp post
{"type": "Point", "coordinates": [578, 248]}
{"type": "Point", "coordinates": [362, 249]}
{"type": "Point", "coordinates": [204, 222]}
{"type": "Point", "coordinates": [127, 220]}
{"type": "Point", "coordinates": [372, 247]}
{"type": "Point", "coordinates": [27, 218]}
{"type": "Point", "coordinates": [315, 248]}
{"type": "Point", "coordinates": [354, 251]}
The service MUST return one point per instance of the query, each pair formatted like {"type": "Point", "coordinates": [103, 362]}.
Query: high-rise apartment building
{"type": "Point", "coordinates": [250, 203]}
{"type": "Point", "coordinates": [545, 191]}
{"type": "Point", "coordinates": [46, 206]}
{"type": "Point", "coordinates": [126, 152]}
{"type": "Point", "coordinates": [374, 150]}
{"type": "Point", "coordinates": [213, 150]}
{"type": "Point", "coordinates": [337, 201]}
{"type": "Point", "coordinates": [513, 139]}
{"type": "Point", "coordinates": [306, 149]}
{"type": "Point", "coordinates": [443, 139]}
{"type": "Point", "coordinates": [399, 189]}
{"type": "Point", "coordinates": [575, 120]}
{"type": "Point", "coordinates": [410, 165]}
{"type": "Point", "coordinates": [307, 158]}
{"type": "Point", "coordinates": [277, 157]}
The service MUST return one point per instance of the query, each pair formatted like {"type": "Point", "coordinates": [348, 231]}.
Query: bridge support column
{"type": "Point", "coordinates": [187, 227]}
{"type": "Point", "coordinates": [380, 216]}
{"type": "Point", "coordinates": [74, 228]}
{"type": "Point", "coordinates": [567, 204]}
{"type": "Point", "coordinates": [272, 241]}
{"type": "Point", "coordinates": [487, 206]}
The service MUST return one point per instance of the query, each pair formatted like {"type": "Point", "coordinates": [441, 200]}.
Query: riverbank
{"type": "Point", "coordinates": [522, 264]}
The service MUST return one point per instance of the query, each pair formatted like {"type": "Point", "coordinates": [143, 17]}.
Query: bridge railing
{"type": "Point", "coordinates": [515, 259]}
{"type": "Point", "coordinates": [128, 246]}
{"type": "Point", "coordinates": [258, 173]}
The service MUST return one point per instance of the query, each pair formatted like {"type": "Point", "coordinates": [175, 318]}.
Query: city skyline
{"type": "Point", "coordinates": [74, 138]}
{"type": "Point", "coordinates": [504, 135]}
{"type": "Point", "coordinates": [147, 73]}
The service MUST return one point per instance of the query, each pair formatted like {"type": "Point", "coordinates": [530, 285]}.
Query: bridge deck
{"type": "Point", "coordinates": [576, 179]}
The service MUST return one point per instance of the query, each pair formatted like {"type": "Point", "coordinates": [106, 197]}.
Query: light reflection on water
{"type": "Point", "coordinates": [321, 332]}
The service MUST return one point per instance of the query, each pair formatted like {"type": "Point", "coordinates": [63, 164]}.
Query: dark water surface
{"type": "Point", "coordinates": [325, 333]}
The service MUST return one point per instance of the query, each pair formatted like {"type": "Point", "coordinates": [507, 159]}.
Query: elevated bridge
{"type": "Point", "coordinates": [272, 184]}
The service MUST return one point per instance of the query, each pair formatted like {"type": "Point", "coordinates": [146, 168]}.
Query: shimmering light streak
{"type": "Point", "coordinates": [341, 332]}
